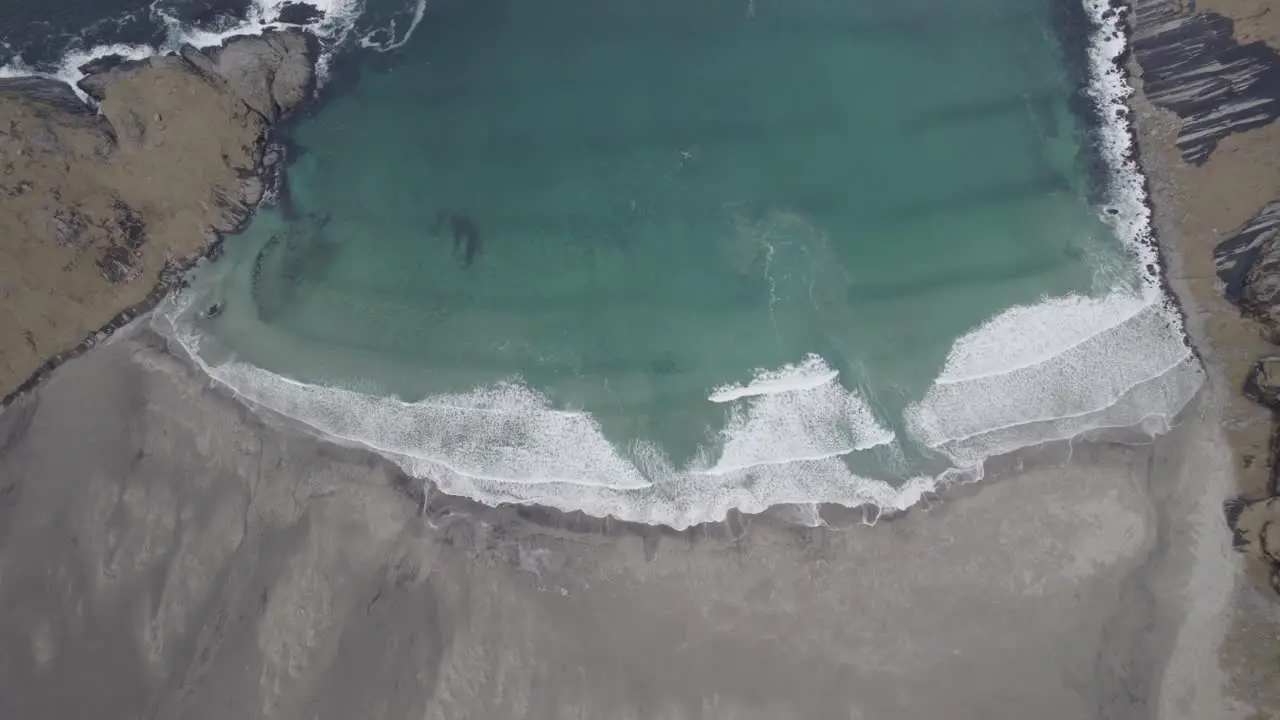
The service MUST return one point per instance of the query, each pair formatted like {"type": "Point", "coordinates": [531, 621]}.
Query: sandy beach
{"type": "Point", "coordinates": [165, 552]}
{"type": "Point", "coordinates": [256, 572]}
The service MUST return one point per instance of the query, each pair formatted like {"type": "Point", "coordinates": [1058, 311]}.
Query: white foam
{"type": "Point", "coordinates": [805, 422]}
{"type": "Point", "coordinates": [812, 372]}
{"type": "Point", "coordinates": [973, 418]}
{"type": "Point", "coordinates": [392, 42]}
{"type": "Point", "coordinates": [681, 502]}
{"type": "Point", "coordinates": [1072, 364]}
{"type": "Point", "coordinates": [1025, 336]}
{"type": "Point", "coordinates": [339, 16]}
{"type": "Point", "coordinates": [68, 69]}
{"type": "Point", "coordinates": [1109, 88]}
{"type": "Point", "coordinates": [506, 440]}
{"type": "Point", "coordinates": [337, 22]}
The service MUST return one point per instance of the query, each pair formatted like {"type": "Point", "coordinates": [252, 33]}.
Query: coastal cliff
{"type": "Point", "coordinates": [1218, 75]}
{"type": "Point", "coordinates": [104, 207]}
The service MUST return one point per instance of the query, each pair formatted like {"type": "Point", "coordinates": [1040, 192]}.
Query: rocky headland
{"type": "Point", "coordinates": [104, 203]}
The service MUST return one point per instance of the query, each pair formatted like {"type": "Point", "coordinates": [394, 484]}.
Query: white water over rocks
{"type": "Point", "coordinates": [333, 26]}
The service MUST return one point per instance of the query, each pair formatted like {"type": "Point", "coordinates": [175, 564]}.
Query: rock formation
{"type": "Point", "coordinates": [1255, 529]}
{"type": "Point", "coordinates": [102, 208]}
{"type": "Point", "coordinates": [1248, 264]}
{"type": "Point", "coordinates": [1263, 383]}
{"type": "Point", "coordinates": [1192, 65]}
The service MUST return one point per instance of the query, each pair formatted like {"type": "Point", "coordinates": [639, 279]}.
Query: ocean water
{"type": "Point", "coordinates": [658, 259]}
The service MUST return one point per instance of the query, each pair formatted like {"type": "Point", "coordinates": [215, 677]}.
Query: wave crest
{"type": "Point", "coordinates": [505, 442]}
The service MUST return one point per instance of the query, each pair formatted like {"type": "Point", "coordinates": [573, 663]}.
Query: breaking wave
{"type": "Point", "coordinates": [1073, 364]}
{"type": "Point", "coordinates": [507, 443]}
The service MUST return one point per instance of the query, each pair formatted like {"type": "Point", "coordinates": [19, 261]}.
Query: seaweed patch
{"type": "Point", "coordinates": [462, 228]}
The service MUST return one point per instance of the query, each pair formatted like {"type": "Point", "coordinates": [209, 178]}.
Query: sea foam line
{"type": "Point", "coordinates": [945, 418]}
{"type": "Point", "coordinates": [810, 373]}
{"type": "Point", "coordinates": [575, 466]}
{"type": "Point", "coordinates": [1129, 212]}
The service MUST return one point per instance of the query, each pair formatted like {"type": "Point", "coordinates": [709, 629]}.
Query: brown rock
{"type": "Point", "coordinates": [94, 207]}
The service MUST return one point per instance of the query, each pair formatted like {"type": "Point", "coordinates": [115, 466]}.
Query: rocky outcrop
{"type": "Point", "coordinates": [1192, 65]}
{"type": "Point", "coordinates": [1263, 384]}
{"type": "Point", "coordinates": [1255, 531]}
{"type": "Point", "coordinates": [100, 207]}
{"type": "Point", "coordinates": [299, 13]}
{"type": "Point", "coordinates": [271, 73]}
{"type": "Point", "coordinates": [1248, 263]}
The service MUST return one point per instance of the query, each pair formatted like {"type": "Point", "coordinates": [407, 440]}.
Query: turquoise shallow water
{"type": "Point", "coordinates": [602, 213]}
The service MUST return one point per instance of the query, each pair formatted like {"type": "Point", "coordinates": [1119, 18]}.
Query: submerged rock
{"type": "Point", "coordinates": [99, 208]}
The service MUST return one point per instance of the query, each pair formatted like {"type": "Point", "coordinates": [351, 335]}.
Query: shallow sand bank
{"type": "Point", "coordinates": [165, 553]}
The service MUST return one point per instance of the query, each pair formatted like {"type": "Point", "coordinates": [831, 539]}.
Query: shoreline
{"type": "Point", "coordinates": [195, 557]}
{"type": "Point", "coordinates": [290, 539]}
